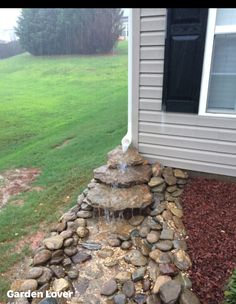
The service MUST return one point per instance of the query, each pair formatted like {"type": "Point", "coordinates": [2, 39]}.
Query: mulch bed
{"type": "Point", "coordinates": [210, 220]}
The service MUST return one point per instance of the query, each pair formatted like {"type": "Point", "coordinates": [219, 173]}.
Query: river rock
{"type": "Point", "coordinates": [81, 257]}
{"type": "Point", "coordinates": [155, 181]}
{"type": "Point", "coordinates": [131, 157]}
{"type": "Point", "coordinates": [46, 276]}
{"type": "Point", "coordinates": [114, 242]}
{"type": "Point", "coordinates": [128, 289]}
{"type": "Point", "coordinates": [159, 189]}
{"type": "Point", "coordinates": [24, 285]}
{"type": "Point", "coordinates": [140, 298]}
{"type": "Point", "coordinates": [57, 257]}
{"type": "Point", "coordinates": [119, 299]}
{"type": "Point", "coordinates": [161, 280]}
{"type": "Point", "coordinates": [136, 258]}
{"type": "Point", "coordinates": [73, 274]}
{"type": "Point", "coordinates": [123, 276]}
{"type": "Point", "coordinates": [167, 234]}
{"type": "Point", "coordinates": [105, 253]}
{"type": "Point", "coordinates": [188, 297]}
{"type": "Point", "coordinates": [67, 233]}
{"type": "Point", "coordinates": [181, 259]}
{"type": "Point", "coordinates": [180, 173]}
{"type": "Point", "coordinates": [58, 271]}
{"type": "Point", "coordinates": [180, 244]}
{"type": "Point", "coordinates": [169, 292]}
{"type": "Point", "coordinates": [153, 299]}
{"type": "Point", "coordinates": [80, 222]}
{"type": "Point", "coordinates": [144, 230]}
{"type": "Point", "coordinates": [61, 226]}
{"type": "Point", "coordinates": [60, 285]}
{"type": "Point", "coordinates": [54, 242]}
{"type": "Point", "coordinates": [153, 237]}
{"type": "Point", "coordinates": [153, 270]}
{"type": "Point", "coordinates": [34, 273]}
{"type": "Point", "coordinates": [168, 269]}
{"type": "Point", "coordinates": [160, 257]}
{"type": "Point", "coordinates": [42, 257]}
{"type": "Point", "coordinates": [70, 251]}
{"type": "Point", "coordinates": [136, 220]}
{"type": "Point", "coordinates": [68, 242]}
{"type": "Point", "coordinates": [106, 197]}
{"type": "Point", "coordinates": [82, 232]}
{"type": "Point", "coordinates": [84, 214]}
{"type": "Point", "coordinates": [164, 245]}
{"type": "Point", "coordinates": [156, 169]}
{"type": "Point", "coordinates": [126, 245]}
{"type": "Point", "coordinates": [109, 288]}
{"type": "Point", "coordinates": [91, 245]}
{"type": "Point", "coordinates": [138, 274]}
{"type": "Point", "coordinates": [123, 178]}
{"type": "Point", "coordinates": [146, 284]}
{"type": "Point", "coordinates": [183, 280]}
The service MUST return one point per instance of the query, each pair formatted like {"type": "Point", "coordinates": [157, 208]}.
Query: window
{"type": "Point", "coordinates": [218, 88]}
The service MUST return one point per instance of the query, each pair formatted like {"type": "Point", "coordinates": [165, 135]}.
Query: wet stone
{"type": "Point", "coordinates": [188, 297]}
{"type": "Point", "coordinates": [182, 259]}
{"type": "Point", "coordinates": [128, 289]}
{"type": "Point", "coordinates": [126, 245]}
{"type": "Point", "coordinates": [105, 253]}
{"type": "Point", "coordinates": [46, 276]}
{"type": "Point", "coordinates": [58, 271]}
{"type": "Point", "coordinates": [164, 245]}
{"type": "Point", "coordinates": [73, 274]}
{"type": "Point", "coordinates": [153, 299]}
{"type": "Point", "coordinates": [168, 269]}
{"type": "Point", "coordinates": [180, 244]}
{"type": "Point", "coordinates": [117, 199]}
{"type": "Point", "coordinates": [123, 276]}
{"type": "Point", "coordinates": [81, 257]}
{"type": "Point", "coordinates": [131, 157]}
{"type": "Point", "coordinates": [183, 280]}
{"type": "Point", "coordinates": [114, 242]}
{"type": "Point", "coordinates": [68, 242]}
{"type": "Point", "coordinates": [169, 292]}
{"type": "Point", "coordinates": [109, 288]}
{"type": "Point", "coordinates": [34, 273]}
{"type": "Point", "coordinates": [119, 299]}
{"type": "Point", "coordinates": [84, 214]}
{"type": "Point", "coordinates": [138, 274]}
{"type": "Point", "coordinates": [133, 175]}
{"type": "Point", "coordinates": [146, 284]}
{"type": "Point", "coordinates": [91, 245]}
{"type": "Point", "coordinates": [54, 242]}
{"type": "Point", "coordinates": [60, 285]}
{"type": "Point", "coordinates": [136, 258]}
{"type": "Point", "coordinates": [161, 280]}
{"type": "Point", "coordinates": [82, 232]}
{"type": "Point", "coordinates": [70, 251]}
{"type": "Point", "coordinates": [136, 220]}
{"type": "Point", "coordinates": [142, 245]}
{"type": "Point", "coordinates": [155, 181]}
{"type": "Point", "coordinates": [134, 233]}
{"type": "Point", "coordinates": [159, 189]}
{"type": "Point", "coordinates": [42, 257]}
{"type": "Point", "coordinates": [143, 231]}
{"type": "Point", "coordinates": [67, 234]}
{"type": "Point", "coordinates": [140, 298]}
{"type": "Point", "coordinates": [167, 234]}
{"type": "Point", "coordinates": [153, 237]}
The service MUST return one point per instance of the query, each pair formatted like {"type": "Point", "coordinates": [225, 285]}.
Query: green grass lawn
{"type": "Point", "coordinates": [43, 102]}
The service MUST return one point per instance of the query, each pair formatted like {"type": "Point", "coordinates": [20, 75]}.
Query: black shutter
{"type": "Point", "coordinates": [184, 50]}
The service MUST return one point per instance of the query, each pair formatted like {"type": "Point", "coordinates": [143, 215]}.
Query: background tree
{"type": "Point", "coordinates": [69, 31]}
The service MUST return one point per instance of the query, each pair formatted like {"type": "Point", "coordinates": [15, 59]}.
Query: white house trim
{"type": "Point", "coordinates": [212, 30]}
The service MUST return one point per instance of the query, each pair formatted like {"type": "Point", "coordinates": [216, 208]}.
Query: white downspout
{"type": "Point", "coordinates": [127, 139]}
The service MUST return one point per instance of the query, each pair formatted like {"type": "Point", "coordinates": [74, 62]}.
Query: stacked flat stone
{"type": "Point", "coordinates": [122, 183]}
{"type": "Point", "coordinates": [155, 247]}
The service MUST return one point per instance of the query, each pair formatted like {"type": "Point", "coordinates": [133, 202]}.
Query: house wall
{"type": "Point", "coordinates": [189, 141]}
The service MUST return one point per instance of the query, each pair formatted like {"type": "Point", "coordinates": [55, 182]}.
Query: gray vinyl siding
{"type": "Point", "coordinates": [193, 142]}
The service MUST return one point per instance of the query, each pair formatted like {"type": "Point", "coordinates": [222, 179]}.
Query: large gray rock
{"type": "Point", "coordinates": [188, 297]}
{"type": "Point", "coordinates": [123, 177]}
{"type": "Point", "coordinates": [106, 197]}
{"type": "Point", "coordinates": [169, 292]}
{"type": "Point", "coordinates": [131, 157]}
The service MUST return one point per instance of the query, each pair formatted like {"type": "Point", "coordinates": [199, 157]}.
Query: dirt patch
{"type": "Point", "coordinates": [16, 181]}
{"type": "Point", "coordinates": [210, 221]}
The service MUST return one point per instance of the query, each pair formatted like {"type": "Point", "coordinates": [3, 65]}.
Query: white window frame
{"type": "Point", "coordinates": [212, 29]}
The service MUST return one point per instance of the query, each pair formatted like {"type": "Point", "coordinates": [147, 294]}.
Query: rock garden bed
{"type": "Point", "coordinates": [123, 242]}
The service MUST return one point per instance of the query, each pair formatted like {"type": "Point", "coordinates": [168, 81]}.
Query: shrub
{"type": "Point", "coordinates": [230, 292]}
{"type": "Point", "coordinates": [10, 49]}
{"type": "Point", "coordinates": [61, 31]}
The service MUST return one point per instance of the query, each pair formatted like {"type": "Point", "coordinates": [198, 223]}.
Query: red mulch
{"type": "Point", "coordinates": [210, 220]}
